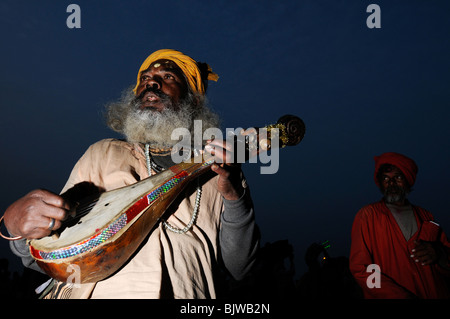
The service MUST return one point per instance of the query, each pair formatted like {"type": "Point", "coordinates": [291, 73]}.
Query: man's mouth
{"type": "Point", "coordinates": [150, 97]}
{"type": "Point", "coordinates": [395, 191]}
{"type": "Point", "coordinates": [153, 99]}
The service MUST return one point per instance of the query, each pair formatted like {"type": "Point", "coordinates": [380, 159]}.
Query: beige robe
{"type": "Point", "coordinates": [168, 265]}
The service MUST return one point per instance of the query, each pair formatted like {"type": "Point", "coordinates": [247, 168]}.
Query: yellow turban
{"type": "Point", "coordinates": [189, 67]}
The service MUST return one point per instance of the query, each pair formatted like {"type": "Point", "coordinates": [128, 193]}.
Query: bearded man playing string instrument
{"type": "Point", "coordinates": [210, 226]}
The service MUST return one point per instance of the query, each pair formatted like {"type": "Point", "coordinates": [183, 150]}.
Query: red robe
{"type": "Point", "coordinates": [377, 239]}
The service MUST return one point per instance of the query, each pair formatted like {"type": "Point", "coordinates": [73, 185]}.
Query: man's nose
{"type": "Point", "coordinates": [154, 83]}
{"type": "Point", "coordinates": [392, 181]}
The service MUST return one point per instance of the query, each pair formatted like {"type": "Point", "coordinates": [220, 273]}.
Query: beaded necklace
{"type": "Point", "coordinates": [152, 165]}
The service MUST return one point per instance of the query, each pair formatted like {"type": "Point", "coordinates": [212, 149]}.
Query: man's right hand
{"type": "Point", "coordinates": [31, 216]}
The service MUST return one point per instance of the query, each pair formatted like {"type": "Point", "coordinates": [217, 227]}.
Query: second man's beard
{"type": "Point", "coordinates": [394, 193]}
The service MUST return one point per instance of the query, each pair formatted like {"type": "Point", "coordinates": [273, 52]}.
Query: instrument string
{"type": "Point", "coordinates": [85, 209]}
{"type": "Point", "coordinates": [81, 210]}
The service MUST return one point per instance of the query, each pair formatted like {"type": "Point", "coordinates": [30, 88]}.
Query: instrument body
{"type": "Point", "coordinates": [100, 242]}
{"type": "Point", "coordinates": [104, 239]}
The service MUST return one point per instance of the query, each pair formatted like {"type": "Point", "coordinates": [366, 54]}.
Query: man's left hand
{"type": "Point", "coordinates": [424, 253]}
{"type": "Point", "coordinates": [230, 174]}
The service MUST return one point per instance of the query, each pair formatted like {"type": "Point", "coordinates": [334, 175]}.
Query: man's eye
{"type": "Point", "coordinates": [168, 76]}
{"type": "Point", "coordinates": [144, 78]}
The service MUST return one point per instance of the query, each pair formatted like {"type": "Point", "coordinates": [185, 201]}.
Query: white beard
{"type": "Point", "coordinates": [156, 127]}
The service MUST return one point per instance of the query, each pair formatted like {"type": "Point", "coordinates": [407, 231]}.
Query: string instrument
{"type": "Point", "coordinates": [105, 232]}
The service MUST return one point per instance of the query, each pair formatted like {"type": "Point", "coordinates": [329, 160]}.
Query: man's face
{"type": "Point", "coordinates": [394, 186]}
{"type": "Point", "coordinates": [162, 84]}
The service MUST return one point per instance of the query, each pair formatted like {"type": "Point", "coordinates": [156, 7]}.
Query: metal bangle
{"type": "Point", "coordinates": [6, 237]}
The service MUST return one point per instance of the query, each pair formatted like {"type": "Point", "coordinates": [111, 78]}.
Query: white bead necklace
{"type": "Point", "coordinates": [166, 224]}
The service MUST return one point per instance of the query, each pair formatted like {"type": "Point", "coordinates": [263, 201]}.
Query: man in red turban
{"type": "Point", "coordinates": [397, 250]}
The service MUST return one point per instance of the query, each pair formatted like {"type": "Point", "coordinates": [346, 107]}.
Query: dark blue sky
{"type": "Point", "coordinates": [360, 91]}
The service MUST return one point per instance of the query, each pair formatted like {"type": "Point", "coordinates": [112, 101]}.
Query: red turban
{"type": "Point", "coordinates": [406, 165]}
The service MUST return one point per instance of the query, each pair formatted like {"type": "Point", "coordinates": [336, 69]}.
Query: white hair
{"type": "Point", "coordinates": [155, 127]}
